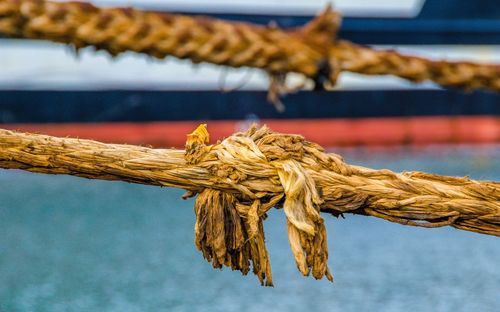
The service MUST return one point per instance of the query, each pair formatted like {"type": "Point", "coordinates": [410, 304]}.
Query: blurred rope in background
{"type": "Point", "coordinates": [312, 50]}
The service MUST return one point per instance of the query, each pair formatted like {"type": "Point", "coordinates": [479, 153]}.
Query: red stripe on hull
{"type": "Point", "coordinates": [326, 132]}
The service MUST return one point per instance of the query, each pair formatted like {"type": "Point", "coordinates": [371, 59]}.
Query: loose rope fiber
{"type": "Point", "coordinates": [240, 178]}
{"type": "Point", "coordinates": [312, 50]}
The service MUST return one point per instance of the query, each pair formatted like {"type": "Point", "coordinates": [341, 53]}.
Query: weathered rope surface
{"type": "Point", "coordinates": [240, 178]}
{"type": "Point", "coordinates": [313, 50]}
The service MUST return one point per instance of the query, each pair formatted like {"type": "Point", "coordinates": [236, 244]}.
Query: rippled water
{"type": "Point", "coordinates": [70, 244]}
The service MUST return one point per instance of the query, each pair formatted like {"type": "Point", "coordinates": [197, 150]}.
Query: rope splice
{"type": "Point", "coordinates": [240, 178]}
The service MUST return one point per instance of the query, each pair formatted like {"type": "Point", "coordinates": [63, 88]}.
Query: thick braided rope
{"type": "Point", "coordinates": [239, 179]}
{"type": "Point", "coordinates": [465, 75]}
{"type": "Point", "coordinates": [200, 39]}
{"type": "Point", "coordinates": [312, 50]}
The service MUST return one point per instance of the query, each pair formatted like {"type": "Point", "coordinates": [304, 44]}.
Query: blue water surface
{"type": "Point", "coordinates": [71, 244]}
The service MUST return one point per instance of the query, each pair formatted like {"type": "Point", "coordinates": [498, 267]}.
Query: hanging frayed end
{"type": "Point", "coordinates": [226, 239]}
{"type": "Point", "coordinates": [310, 251]}
{"type": "Point", "coordinates": [306, 231]}
{"type": "Point", "coordinates": [279, 88]}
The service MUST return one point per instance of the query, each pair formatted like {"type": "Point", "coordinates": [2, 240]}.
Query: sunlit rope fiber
{"type": "Point", "coordinates": [240, 178]}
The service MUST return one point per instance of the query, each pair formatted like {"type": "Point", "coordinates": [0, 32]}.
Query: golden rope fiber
{"type": "Point", "coordinates": [465, 75]}
{"type": "Point", "coordinates": [240, 178]}
{"type": "Point", "coordinates": [200, 39]}
{"type": "Point", "coordinates": [312, 50]}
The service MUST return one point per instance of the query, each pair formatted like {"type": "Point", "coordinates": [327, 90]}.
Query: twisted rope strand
{"type": "Point", "coordinates": [367, 61]}
{"type": "Point", "coordinates": [312, 50]}
{"type": "Point", "coordinates": [200, 39]}
{"type": "Point", "coordinates": [248, 173]}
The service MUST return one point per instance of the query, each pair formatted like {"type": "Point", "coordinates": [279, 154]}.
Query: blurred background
{"type": "Point", "coordinates": [68, 244]}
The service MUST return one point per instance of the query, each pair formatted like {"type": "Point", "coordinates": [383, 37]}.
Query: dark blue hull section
{"type": "Point", "coordinates": [141, 106]}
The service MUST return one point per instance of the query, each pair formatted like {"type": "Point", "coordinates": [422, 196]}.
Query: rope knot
{"type": "Point", "coordinates": [229, 228]}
